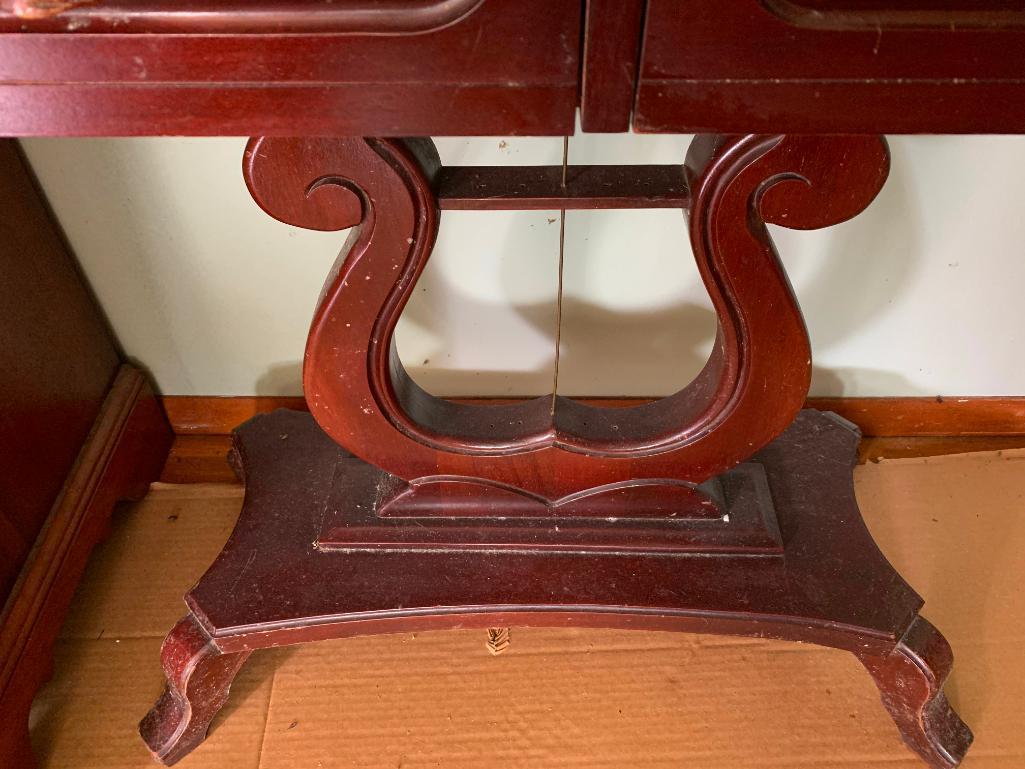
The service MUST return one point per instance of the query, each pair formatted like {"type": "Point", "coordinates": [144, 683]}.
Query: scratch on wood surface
{"type": "Point", "coordinates": [249, 562]}
{"type": "Point", "coordinates": [40, 9]}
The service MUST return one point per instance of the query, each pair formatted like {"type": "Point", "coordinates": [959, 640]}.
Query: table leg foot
{"type": "Point", "coordinates": [198, 679]}
{"type": "Point", "coordinates": [910, 681]}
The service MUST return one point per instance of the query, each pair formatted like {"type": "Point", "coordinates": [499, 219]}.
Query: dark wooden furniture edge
{"type": "Point", "coordinates": [608, 72]}
{"type": "Point", "coordinates": [877, 417]}
{"type": "Point", "coordinates": [123, 454]}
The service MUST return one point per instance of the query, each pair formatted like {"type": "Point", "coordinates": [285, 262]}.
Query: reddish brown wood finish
{"type": "Point", "coordinates": [420, 67]}
{"type": "Point", "coordinates": [501, 514]}
{"type": "Point", "coordinates": [931, 416]}
{"type": "Point", "coordinates": [612, 41]}
{"type": "Point", "coordinates": [198, 679]}
{"type": "Point", "coordinates": [753, 385]}
{"type": "Point", "coordinates": [910, 680]}
{"type": "Point", "coordinates": [147, 17]}
{"type": "Point", "coordinates": [201, 415]}
{"type": "Point", "coordinates": [366, 508]}
{"type": "Point", "coordinates": [464, 67]}
{"type": "Point", "coordinates": [823, 66]}
{"type": "Point", "coordinates": [123, 453]}
{"type": "Point", "coordinates": [858, 603]}
{"type": "Point", "coordinates": [358, 67]}
{"type": "Point", "coordinates": [78, 431]}
{"type": "Point", "coordinates": [57, 362]}
{"type": "Point", "coordinates": [919, 14]}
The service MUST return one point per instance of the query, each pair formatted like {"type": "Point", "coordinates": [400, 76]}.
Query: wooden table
{"type": "Point", "coordinates": [723, 508]}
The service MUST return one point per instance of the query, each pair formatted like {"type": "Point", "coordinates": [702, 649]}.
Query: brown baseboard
{"type": "Point", "coordinates": [122, 455]}
{"type": "Point", "coordinates": [212, 415]}
{"type": "Point", "coordinates": [877, 417]}
{"type": "Point", "coordinates": [939, 416]}
{"type": "Point", "coordinates": [893, 427]}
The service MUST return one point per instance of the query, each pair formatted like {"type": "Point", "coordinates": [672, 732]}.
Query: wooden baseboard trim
{"type": "Point", "coordinates": [877, 417]}
{"type": "Point", "coordinates": [213, 415]}
{"type": "Point", "coordinates": [124, 452]}
{"type": "Point", "coordinates": [924, 417]}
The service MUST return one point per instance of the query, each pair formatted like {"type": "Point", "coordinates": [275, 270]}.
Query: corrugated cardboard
{"type": "Point", "coordinates": [954, 526]}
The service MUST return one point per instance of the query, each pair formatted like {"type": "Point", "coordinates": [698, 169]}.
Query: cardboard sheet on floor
{"type": "Point", "coordinates": [954, 526]}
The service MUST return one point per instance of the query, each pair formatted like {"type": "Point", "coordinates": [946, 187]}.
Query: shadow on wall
{"type": "Point", "coordinates": [838, 382]}
{"type": "Point", "coordinates": [198, 283]}
{"type": "Point", "coordinates": [215, 297]}
{"type": "Point", "coordinates": [876, 252]}
{"type": "Point", "coordinates": [280, 378]}
{"type": "Point", "coordinates": [847, 276]}
{"type": "Point", "coordinates": [658, 349]}
{"type": "Point", "coordinates": [204, 288]}
{"type": "Point", "coordinates": [661, 343]}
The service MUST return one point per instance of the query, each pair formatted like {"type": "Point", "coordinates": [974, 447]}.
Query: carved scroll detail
{"type": "Point", "coordinates": [760, 366]}
{"type": "Point", "coordinates": [750, 390]}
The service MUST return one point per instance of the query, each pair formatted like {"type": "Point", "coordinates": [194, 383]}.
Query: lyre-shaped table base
{"type": "Point", "coordinates": [276, 584]}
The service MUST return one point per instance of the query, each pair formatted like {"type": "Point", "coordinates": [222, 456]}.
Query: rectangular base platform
{"type": "Point", "coordinates": [275, 575]}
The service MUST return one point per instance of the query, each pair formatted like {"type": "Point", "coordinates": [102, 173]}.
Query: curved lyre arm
{"type": "Point", "coordinates": [753, 385]}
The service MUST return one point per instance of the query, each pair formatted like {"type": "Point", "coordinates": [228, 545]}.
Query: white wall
{"type": "Point", "coordinates": [920, 295]}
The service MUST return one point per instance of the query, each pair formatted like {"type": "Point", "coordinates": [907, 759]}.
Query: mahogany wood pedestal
{"type": "Point", "coordinates": [720, 509]}
{"type": "Point", "coordinates": [277, 582]}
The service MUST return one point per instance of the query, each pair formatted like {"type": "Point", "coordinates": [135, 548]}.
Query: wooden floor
{"type": "Point", "coordinates": [202, 458]}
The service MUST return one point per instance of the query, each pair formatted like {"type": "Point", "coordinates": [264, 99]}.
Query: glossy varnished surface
{"type": "Point", "coordinates": [404, 67]}
{"type": "Point", "coordinates": [753, 384]}
{"type": "Point", "coordinates": [289, 480]}
{"type": "Point", "coordinates": [57, 361]}
{"type": "Point", "coordinates": [125, 449]}
{"type": "Point", "coordinates": [825, 66]}
{"type": "Point", "coordinates": [612, 41]}
{"type": "Point", "coordinates": [500, 67]}
{"type": "Point", "coordinates": [145, 17]}
{"type": "Point", "coordinates": [552, 511]}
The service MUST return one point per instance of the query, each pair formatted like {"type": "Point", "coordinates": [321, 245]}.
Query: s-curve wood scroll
{"type": "Point", "coordinates": [715, 510]}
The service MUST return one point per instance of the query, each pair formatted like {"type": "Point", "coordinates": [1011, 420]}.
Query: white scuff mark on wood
{"type": "Point", "coordinates": [41, 9]}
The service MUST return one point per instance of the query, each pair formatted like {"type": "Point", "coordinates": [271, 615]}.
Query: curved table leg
{"type": "Point", "coordinates": [198, 678]}
{"type": "Point", "coordinates": [910, 681]}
